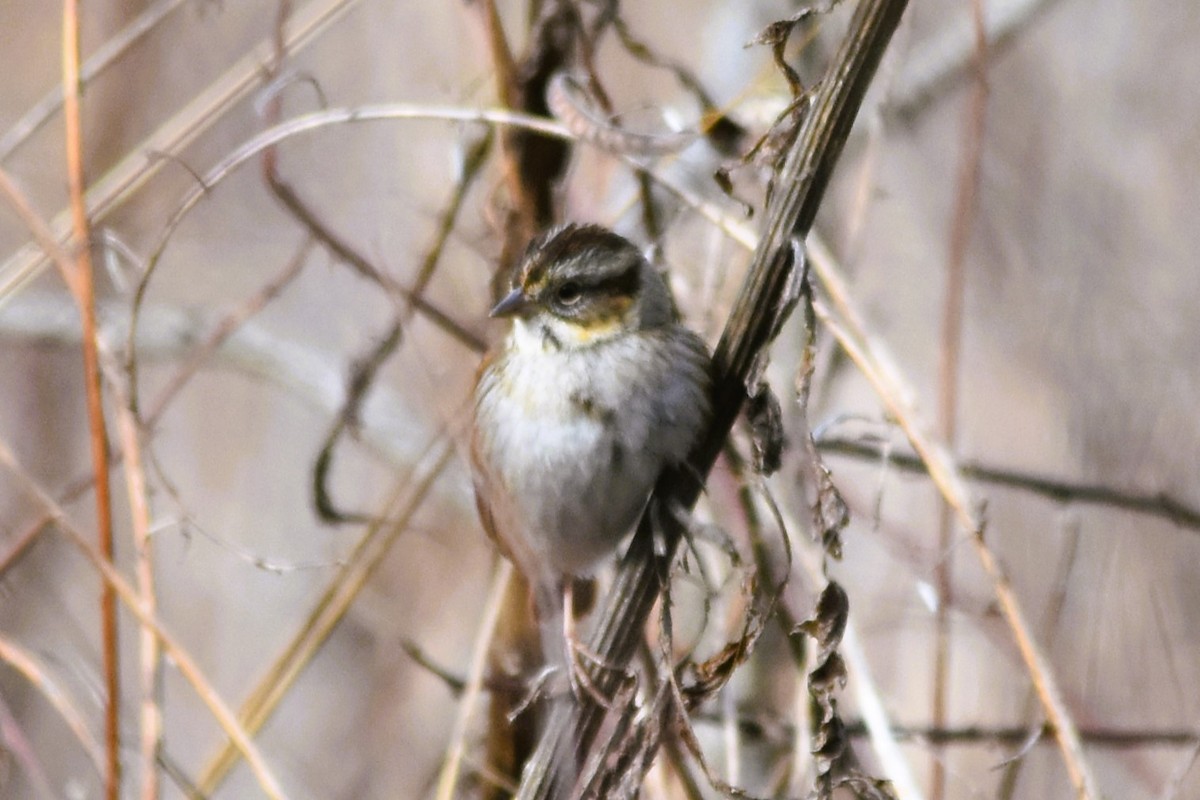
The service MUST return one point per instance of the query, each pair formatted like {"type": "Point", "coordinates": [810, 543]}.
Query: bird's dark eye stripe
{"type": "Point", "coordinates": [623, 283]}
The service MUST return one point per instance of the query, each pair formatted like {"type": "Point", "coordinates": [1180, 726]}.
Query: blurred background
{"type": "Point", "coordinates": [1062, 190]}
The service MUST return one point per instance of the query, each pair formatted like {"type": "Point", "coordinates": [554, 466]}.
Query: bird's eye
{"type": "Point", "coordinates": [569, 293]}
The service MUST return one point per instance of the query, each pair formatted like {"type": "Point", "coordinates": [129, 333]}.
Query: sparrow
{"type": "Point", "coordinates": [595, 390]}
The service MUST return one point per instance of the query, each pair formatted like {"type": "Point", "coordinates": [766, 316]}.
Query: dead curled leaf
{"type": "Point", "coordinates": [829, 676]}
{"type": "Point", "coordinates": [830, 512]}
{"type": "Point", "coordinates": [714, 672]}
{"type": "Point", "coordinates": [830, 740]}
{"type": "Point", "coordinates": [828, 622]}
{"type": "Point", "coordinates": [765, 416]}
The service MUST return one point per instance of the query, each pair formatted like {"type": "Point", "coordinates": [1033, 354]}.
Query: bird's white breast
{"type": "Point", "coordinates": [578, 436]}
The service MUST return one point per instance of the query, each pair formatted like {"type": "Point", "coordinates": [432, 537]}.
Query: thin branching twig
{"type": "Point", "coordinates": [871, 357]}
{"type": "Point", "coordinates": [315, 121]}
{"type": "Point", "coordinates": [1058, 490]}
{"type": "Point", "coordinates": [950, 484]}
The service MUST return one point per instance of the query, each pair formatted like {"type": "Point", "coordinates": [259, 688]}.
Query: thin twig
{"type": "Point", "coordinates": [307, 123]}
{"type": "Point", "coordinates": [1058, 490]}
{"type": "Point", "coordinates": [24, 541]}
{"type": "Point", "coordinates": [321, 119]}
{"type": "Point", "coordinates": [85, 297]}
{"type": "Point", "coordinates": [41, 232]}
{"type": "Point", "coordinates": [366, 367]}
{"type": "Point", "coordinates": [150, 657]}
{"type": "Point", "coordinates": [451, 767]}
{"type": "Point", "coordinates": [772, 730]}
{"type": "Point", "coordinates": [24, 663]}
{"type": "Point", "coordinates": [173, 649]}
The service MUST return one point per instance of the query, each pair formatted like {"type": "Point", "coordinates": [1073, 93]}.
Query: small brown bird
{"type": "Point", "coordinates": [594, 391]}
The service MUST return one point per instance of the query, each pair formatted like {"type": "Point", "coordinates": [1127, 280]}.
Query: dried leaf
{"type": "Point", "coordinates": [781, 29]}
{"type": "Point", "coordinates": [723, 180]}
{"type": "Point", "coordinates": [776, 37]}
{"type": "Point", "coordinates": [830, 512]}
{"type": "Point", "coordinates": [829, 742]}
{"type": "Point", "coordinates": [828, 623]}
{"type": "Point", "coordinates": [867, 788]}
{"type": "Point", "coordinates": [766, 430]}
{"type": "Point", "coordinates": [829, 676]}
{"type": "Point", "coordinates": [771, 35]}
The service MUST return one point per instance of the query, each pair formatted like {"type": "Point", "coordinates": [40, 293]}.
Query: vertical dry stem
{"type": "Point", "coordinates": [948, 369]}
{"type": "Point", "coordinates": [85, 295]}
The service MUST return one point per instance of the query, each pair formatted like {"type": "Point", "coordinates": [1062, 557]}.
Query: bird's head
{"type": "Point", "coordinates": [578, 285]}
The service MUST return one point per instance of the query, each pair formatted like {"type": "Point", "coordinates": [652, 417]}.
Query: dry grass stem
{"type": "Point", "coordinates": [149, 656]}
{"type": "Point", "coordinates": [85, 296]}
{"type": "Point", "coordinates": [452, 767]}
{"type": "Point", "coordinates": [23, 541]}
{"type": "Point", "coordinates": [949, 360]}
{"type": "Point", "coordinates": [879, 725]}
{"type": "Point", "coordinates": [306, 123]}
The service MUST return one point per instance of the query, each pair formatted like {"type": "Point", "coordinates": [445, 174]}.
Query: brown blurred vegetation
{"type": "Point", "coordinates": [1078, 382]}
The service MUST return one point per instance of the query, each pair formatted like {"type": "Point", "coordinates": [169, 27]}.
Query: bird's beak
{"type": "Point", "coordinates": [514, 302]}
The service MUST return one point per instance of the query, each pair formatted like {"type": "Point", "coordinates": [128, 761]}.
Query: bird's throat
{"type": "Point", "coordinates": [549, 334]}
